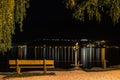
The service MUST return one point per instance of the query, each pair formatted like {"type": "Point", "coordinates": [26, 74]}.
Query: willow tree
{"type": "Point", "coordinates": [12, 12]}
{"type": "Point", "coordinates": [94, 9]}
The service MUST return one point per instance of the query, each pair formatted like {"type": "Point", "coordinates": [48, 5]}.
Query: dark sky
{"type": "Point", "coordinates": [50, 19]}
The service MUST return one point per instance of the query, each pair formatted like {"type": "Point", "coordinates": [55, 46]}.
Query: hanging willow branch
{"type": "Point", "coordinates": [11, 12]}
{"type": "Point", "coordinates": [94, 9]}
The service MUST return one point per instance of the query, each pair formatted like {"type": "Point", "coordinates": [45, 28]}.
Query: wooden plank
{"type": "Point", "coordinates": [32, 66]}
{"type": "Point", "coordinates": [27, 66]}
{"type": "Point", "coordinates": [26, 62]}
{"type": "Point", "coordinates": [31, 62]}
{"type": "Point", "coordinates": [49, 62]}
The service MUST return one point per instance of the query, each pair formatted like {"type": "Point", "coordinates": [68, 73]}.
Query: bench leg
{"type": "Point", "coordinates": [44, 66]}
{"type": "Point", "coordinates": [45, 70]}
{"type": "Point", "coordinates": [104, 64]}
{"type": "Point", "coordinates": [18, 69]}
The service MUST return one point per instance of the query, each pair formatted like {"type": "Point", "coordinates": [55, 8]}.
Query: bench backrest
{"type": "Point", "coordinates": [31, 62]}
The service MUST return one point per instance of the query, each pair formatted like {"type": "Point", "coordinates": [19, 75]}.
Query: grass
{"type": "Point", "coordinates": [25, 74]}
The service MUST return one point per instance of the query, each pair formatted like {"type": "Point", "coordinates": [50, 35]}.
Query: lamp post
{"type": "Point", "coordinates": [76, 64]}
{"type": "Point", "coordinates": [76, 47]}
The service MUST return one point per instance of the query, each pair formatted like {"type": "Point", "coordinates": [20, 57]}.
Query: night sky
{"type": "Point", "coordinates": [50, 19]}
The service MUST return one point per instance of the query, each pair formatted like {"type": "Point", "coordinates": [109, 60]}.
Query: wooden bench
{"type": "Point", "coordinates": [18, 64]}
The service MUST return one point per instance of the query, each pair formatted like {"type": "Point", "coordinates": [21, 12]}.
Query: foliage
{"type": "Point", "coordinates": [94, 9]}
{"type": "Point", "coordinates": [12, 12]}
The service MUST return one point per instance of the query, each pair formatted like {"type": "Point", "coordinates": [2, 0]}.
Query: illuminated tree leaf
{"type": "Point", "coordinates": [11, 12]}
{"type": "Point", "coordinates": [95, 9]}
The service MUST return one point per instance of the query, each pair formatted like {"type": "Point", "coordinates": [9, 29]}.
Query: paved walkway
{"type": "Point", "coordinates": [75, 75]}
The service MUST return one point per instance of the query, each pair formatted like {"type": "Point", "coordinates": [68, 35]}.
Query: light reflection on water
{"type": "Point", "coordinates": [64, 56]}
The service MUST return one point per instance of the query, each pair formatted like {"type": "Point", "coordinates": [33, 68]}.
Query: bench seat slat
{"type": "Point", "coordinates": [30, 62]}
{"type": "Point", "coordinates": [32, 66]}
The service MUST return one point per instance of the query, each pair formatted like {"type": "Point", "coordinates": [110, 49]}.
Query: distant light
{"type": "Point", "coordinates": [84, 39]}
{"type": "Point", "coordinates": [88, 45]}
{"type": "Point", "coordinates": [102, 41]}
